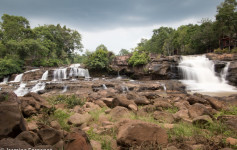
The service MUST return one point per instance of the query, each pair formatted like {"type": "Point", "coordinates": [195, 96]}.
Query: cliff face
{"type": "Point", "coordinates": [165, 68]}
{"type": "Point", "coordinates": [158, 69]}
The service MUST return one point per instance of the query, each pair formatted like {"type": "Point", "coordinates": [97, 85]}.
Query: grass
{"type": "Point", "coordinates": [172, 110]}
{"type": "Point", "coordinates": [62, 116]}
{"type": "Point", "coordinates": [69, 100]}
{"type": "Point", "coordinates": [95, 114]}
{"type": "Point", "coordinates": [148, 118]}
{"type": "Point", "coordinates": [230, 111]}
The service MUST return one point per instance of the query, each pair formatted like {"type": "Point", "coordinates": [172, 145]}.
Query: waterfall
{"type": "Point", "coordinates": [38, 87]}
{"type": "Point", "coordinates": [119, 77]}
{"type": "Point", "coordinates": [199, 75]}
{"type": "Point", "coordinates": [104, 87]}
{"type": "Point", "coordinates": [124, 88]}
{"type": "Point", "coordinates": [79, 72]}
{"type": "Point", "coordinates": [60, 74]}
{"type": "Point", "coordinates": [5, 80]}
{"type": "Point", "coordinates": [64, 89]}
{"type": "Point", "coordinates": [22, 90]}
{"type": "Point", "coordinates": [18, 78]}
{"type": "Point", "coordinates": [224, 72]}
{"type": "Point", "coordinates": [45, 75]}
{"type": "Point", "coordinates": [164, 87]}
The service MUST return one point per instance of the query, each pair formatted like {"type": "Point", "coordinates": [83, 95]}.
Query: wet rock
{"type": "Point", "coordinates": [135, 133]}
{"type": "Point", "coordinates": [49, 136]}
{"type": "Point", "coordinates": [29, 137]}
{"type": "Point", "coordinates": [77, 141]}
{"type": "Point", "coordinates": [78, 119]}
{"type": "Point", "coordinates": [164, 117]}
{"type": "Point", "coordinates": [11, 120]}
{"type": "Point", "coordinates": [119, 112]}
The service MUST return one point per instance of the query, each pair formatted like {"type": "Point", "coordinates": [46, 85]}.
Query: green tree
{"type": "Point", "coordinates": [138, 58]}
{"type": "Point", "coordinates": [123, 52]}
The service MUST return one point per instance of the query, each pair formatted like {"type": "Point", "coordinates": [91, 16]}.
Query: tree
{"type": "Point", "coordinates": [227, 19]}
{"type": "Point", "coordinates": [138, 58]}
{"type": "Point", "coordinates": [123, 52]}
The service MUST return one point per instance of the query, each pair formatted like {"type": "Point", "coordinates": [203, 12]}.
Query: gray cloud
{"type": "Point", "coordinates": [105, 14]}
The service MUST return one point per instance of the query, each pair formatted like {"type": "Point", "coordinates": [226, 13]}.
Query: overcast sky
{"type": "Point", "coordinates": [115, 23]}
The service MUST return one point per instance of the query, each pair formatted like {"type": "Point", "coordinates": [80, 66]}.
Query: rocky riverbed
{"type": "Point", "coordinates": [70, 110]}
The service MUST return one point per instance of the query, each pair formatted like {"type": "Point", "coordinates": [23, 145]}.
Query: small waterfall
{"type": "Point", "coordinates": [124, 88]}
{"type": "Point", "coordinates": [5, 80]}
{"type": "Point", "coordinates": [79, 72]}
{"type": "Point", "coordinates": [33, 70]}
{"type": "Point", "coordinates": [224, 72]}
{"type": "Point", "coordinates": [164, 87]}
{"type": "Point", "coordinates": [104, 87]}
{"type": "Point", "coordinates": [38, 87]}
{"type": "Point", "coordinates": [64, 89]}
{"type": "Point", "coordinates": [119, 77]}
{"type": "Point", "coordinates": [22, 90]}
{"type": "Point", "coordinates": [60, 74]}
{"type": "Point", "coordinates": [18, 78]}
{"type": "Point", "coordinates": [199, 75]}
{"type": "Point", "coordinates": [45, 75]}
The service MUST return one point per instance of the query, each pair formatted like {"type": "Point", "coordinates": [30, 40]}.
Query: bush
{"type": "Point", "coordinates": [138, 58]}
{"type": "Point", "coordinates": [48, 63]}
{"type": "Point", "coordinates": [70, 100]}
{"type": "Point", "coordinates": [10, 66]}
{"type": "Point", "coordinates": [62, 116]}
{"type": "Point", "coordinates": [234, 50]}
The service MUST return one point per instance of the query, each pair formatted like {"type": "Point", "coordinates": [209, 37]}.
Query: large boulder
{"type": "Point", "coordinates": [121, 100]}
{"type": "Point", "coordinates": [136, 133]}
{"type": "Point", "coordinates": [197, 110]}
{"type": "Point", "coordinates": [49, 136]}
{"type": "Point", "coordinates": [9, 143]}
{"type": "Point", "coordinates": [11, 120]}
{"type": "Point", "coordinates": [232, 73]}
{"type": "Point", "coordinates": [78, 119]}
{"type": "Point", "coordinates": [230, 121]}
{"type": "Point", "coordinates": [29, 137]}
{"type": "Point", "coordinates": [118, 112]}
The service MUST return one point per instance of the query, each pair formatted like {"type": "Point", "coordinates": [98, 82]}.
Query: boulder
{"type": "Point", "coordinates": [136, 133]}
{"type": "Point", "coordinates": [164, 117]}
{"type": "Point", "coordinates": [78, 119]}
{"type": "Point", "coordinates": [119, 112]}
{"type": "Point", "coordinates": [230, 121]}
{"type": "Point", "coordinates": [192, 99]}
{"type": "Point", "coordinates": [121, 100]}
{"type": "Point", "coordinates": [197, 110]}
{"type": "Point", "coordinates": [29, 137]}
{"type": "Point", "coordinates": [9, 143]}
{"type": "Point", "coordinates": [215, 103]}
{"type": "Point", "coordinates": [232, 73]}
{"type": "Point", "coordinates": [231, 141]}
{"type": "Point", "coordinates": [96, 145]}
{"type": "Point", "coordinates": [138, 99]}
{"type": "Point", "coordinates": [11, 120]}
{"type": "Point", "coordinates": [49, 136]}
{"type": "Point", "coordinates": [202, 120]}
{"type": "Point", "coordinates": [182, 115]}
{"type": "Point", "coordinates": [77, 141]}
{"type": "Point", "coordinates": [162, 104]}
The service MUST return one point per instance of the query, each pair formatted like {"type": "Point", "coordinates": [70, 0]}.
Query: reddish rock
{"type": "Point", "coordinates": [135, 133]}
{"type": "Point", "coordinates": [49, 135]}
{"type": "Point", "coordinates": [164, 117]}
{"type": "Point", "coordinates": [14, 144]}
{"type": "Point", "coordinates": [121, 100]}
{"type": "Point", "coordinates": [11, 120]}
{"type": "Point", "coordinates": [197, 110]}
{"type": "Point", "coordinates": [76, 141]}
{"type": "Point", "coordinates": [29, 137]}
{"type": "Point", "coordinates": [119, 112]}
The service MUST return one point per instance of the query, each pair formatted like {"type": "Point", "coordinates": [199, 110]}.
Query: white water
{"type": "Point", "coordinates": [31, 70]}
{"type": "Point", "coordinates": [199, 75]}
{"type": "Point", "coordinates": [5, 80]}
{"type": "Point", "coordinates": [45, 75]}
{"type": "Point", "coordinates": [18, 78]}
{"type": "Point", "coordinates": [79, 72]}
{"type": "Point", "coordinates": [64, 89]}
{"type": "Point", "coordinates": [60, 74]}
{"type": "Point", "coordinates": [22, 90]}
{"type": "Point", "coordinates": [38, 87]}
{"type": "Point", "coordinates": [224, 72]}
{"type": "Point", "coordinates": [104, 87]}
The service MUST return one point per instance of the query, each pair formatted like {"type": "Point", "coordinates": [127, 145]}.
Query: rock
{"type": "Point", "coordinates": [138, 99]}
{"type": "Point", "coordinates": [9, 143]}
{"type": "Point", "coordinates": [231, 141]}
{"type": "Point", "coordinates": [162, 104]}
{"type": "Point", "coordinates": [39, 99]}
{"type": "Point", "coordinates": [168, 126]}
{"type": "Point", "coordinates": [29, 137]}
{"type": "Point", "coordinates": [101, 103]}
{"type": "Point", "coordinates": [132, 107]}
{"type": "Point", "coordinates": [122, 101]}
{"type": "Point", "coordinates": [55, 125]}
{"type": "Point", "coordinates": [96, 145]}
{"type": "Point", "coordinates": [182, 115]}
{"type": "Point", "coordinates": [164, 117]}
{"type": "Point", "coordinates": [232, 73]}
{"type": "Point", "coordinates": [77, 141]}
{"type": "Point", "coordinates": [49, 135]}
{"type": "Point", "coordinates": [136, 133]}
{"type": "Point", "coordinates": [59, 145]}
{"type": "Point", "coordinates": [118, 112]}
{"type": "Point", "coordinates": [150, 95]}
{"type": "Point", "coordinates": [78, 109]}
{"type": "Point", "coordinates": [32, 126]}
{"type": "Point", "coordinates": [215, 103]}
{"type": "Point", "coordinates": [78, 119]}
{"type": "Point", "coordinates": [182, 105]}
{"type": "Point", "coordinates": [192, 99]}
{"type": "Point", "coordinates": [230, 121]}
{"type": "Point", "coordinates": [89, 106]}
{"type": "Point", "coordinates": [11, 120]}
{"type": "Point", "coordinates": [108, 101]}
{"type": "Point", "coordinates": [171, 148]}
{"type": "Point", "coordinates": [197, 110]}
{"type": "Point", "coordinates": [202, 120]}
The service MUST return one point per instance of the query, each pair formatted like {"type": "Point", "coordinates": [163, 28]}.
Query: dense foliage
{"type": "Point", "coordinates": [47, 45]}
{"type": "Point", "coordinates": [100, 59]}
{"type": "Point", "coordinates": [138, 58]}
{"type": "Point", "coordinates": [195, 39]}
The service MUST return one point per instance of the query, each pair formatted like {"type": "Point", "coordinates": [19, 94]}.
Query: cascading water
{"type": "Point", "coordinates": [22, 90]}
{"type": "Point", "coordinates": [18, 78]}
{"type": "Point", "coordinates": [79, 72]}
{"type": "Point", "coordinates": [60, 74]}
{"type": "Point", "coordinates": [104, 87]}
{"type": "Point", "coordinates": [5, 80]}
{"type": "Point", "coordinates": [64, 89]}
{"type": "Point", "coordinates": [224, 72]}
{"type": "Point", "coordinates": [199, 75]}
{"type": "Point", "coordinates": [45, 75]}
{"type": "Point", "coordinates": [38, 87]}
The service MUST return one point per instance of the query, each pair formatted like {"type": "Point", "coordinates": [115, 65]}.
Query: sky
{"type": "Point", "coordinates": [115, 23]}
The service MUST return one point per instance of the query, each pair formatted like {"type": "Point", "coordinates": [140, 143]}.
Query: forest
{"type": "Point", "coordinates": [56, 45]}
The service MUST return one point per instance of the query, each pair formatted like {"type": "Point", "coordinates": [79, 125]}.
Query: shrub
{"type": "Point", "coordinates": [234, 50]}
{"type": "Point", "coordinates": [138, 58]}
{"type": "Point", "coordinates": [62, 116]}
{"type": "Point", "coordinates": [10, 66]}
